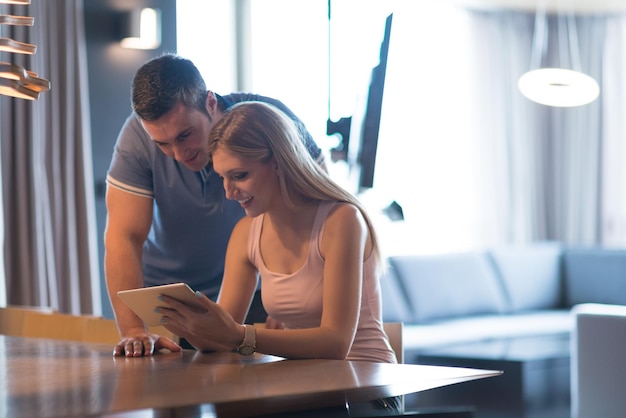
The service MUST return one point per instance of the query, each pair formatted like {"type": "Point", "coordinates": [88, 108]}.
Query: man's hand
{"type": "Point", "coordinates": [139, 343]}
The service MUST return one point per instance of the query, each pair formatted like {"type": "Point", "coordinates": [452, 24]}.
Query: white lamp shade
{"type": "Point", "coordinates": [559, 87]}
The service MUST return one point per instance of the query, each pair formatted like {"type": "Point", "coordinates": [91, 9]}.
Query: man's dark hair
{"type": "Point", "coordinates": [162, 83]}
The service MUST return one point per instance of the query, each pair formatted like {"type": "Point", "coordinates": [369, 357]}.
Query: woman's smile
{"type": "Point", "coordinates": [244, 202]}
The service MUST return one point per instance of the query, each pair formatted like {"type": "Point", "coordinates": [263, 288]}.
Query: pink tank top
{"type": "Point", "coordinates": [296, 299]}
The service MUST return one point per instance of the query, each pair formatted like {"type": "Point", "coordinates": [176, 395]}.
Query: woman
{"type": "Point", "coordinates": [310, 240]}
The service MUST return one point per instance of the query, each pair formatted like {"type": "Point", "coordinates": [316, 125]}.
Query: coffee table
{"type": "Point", "coordinates": [535, 383]}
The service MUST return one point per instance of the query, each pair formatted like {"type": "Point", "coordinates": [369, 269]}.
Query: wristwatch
{"type": "Point", "coordinates": [248, 345]}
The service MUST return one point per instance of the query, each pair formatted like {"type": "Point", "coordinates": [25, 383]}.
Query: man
{"type": "Point", "coordinates": [167, 217]}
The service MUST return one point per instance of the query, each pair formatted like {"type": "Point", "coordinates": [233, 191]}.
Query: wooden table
{"type": "Point", "coordinates": [48, 378]}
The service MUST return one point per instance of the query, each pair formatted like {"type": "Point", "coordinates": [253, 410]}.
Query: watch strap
{"type": "Point", "coordinates": [248, 345]}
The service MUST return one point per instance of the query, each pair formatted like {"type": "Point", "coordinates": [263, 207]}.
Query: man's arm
{"type": "Point", "coordinates": [129, 218]}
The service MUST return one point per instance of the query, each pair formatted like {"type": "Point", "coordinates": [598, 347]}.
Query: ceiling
{"type": "Point", "coordinates": [578, 6]}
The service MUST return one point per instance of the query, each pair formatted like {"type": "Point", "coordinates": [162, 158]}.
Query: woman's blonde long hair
{"type": "Point", "coordinates": [260, 132]}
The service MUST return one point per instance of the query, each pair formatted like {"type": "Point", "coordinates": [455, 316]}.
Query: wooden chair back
{"type": "Point", "coordinates": [394, 333]}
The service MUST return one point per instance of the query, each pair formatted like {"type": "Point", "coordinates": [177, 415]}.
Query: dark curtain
{"type": "Point", "coordinates": [50, 246]}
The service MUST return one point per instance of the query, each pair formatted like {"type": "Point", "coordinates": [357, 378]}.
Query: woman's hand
{"type": "Point", "coordinates": [207, 328]}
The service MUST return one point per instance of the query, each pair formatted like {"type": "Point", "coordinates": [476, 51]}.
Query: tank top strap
{"type": "Point", "coordinates": [318, 224]}
{"type": "Point", "coordinates": [254, 238]}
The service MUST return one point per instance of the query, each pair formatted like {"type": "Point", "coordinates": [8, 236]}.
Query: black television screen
{"type": "Point", "coordinates": [368, 140]}
{"type": "Point", "coordinates": [359, 132]}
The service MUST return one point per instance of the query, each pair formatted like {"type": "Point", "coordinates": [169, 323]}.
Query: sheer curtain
{"type": "Point", "coordinates": [613, 187]}
{"type": "Point", "coordinates": [49, 217]}
{"type": "Point", "coordinates": [546, 172]}
{"type": "Point", "coordinates": [473, 162]}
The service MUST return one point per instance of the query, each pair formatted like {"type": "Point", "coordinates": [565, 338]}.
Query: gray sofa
{"type": "Point", "coordinates": [508, 308]}
{"type": "Point", "coordinates": [507, 292]}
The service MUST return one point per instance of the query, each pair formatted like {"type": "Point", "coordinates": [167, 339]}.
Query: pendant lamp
{"type": "Point", "coordinates": [555, 77]}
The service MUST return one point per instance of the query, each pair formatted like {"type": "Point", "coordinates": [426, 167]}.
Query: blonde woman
{"type": "Point", "coordinates": [311, 242]}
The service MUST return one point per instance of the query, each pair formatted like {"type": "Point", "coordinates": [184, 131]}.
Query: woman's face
{"type": "Point", "coordinates": [253, 184]}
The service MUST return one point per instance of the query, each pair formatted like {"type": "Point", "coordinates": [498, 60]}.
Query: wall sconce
{"type": "Point", "coordinates": [141, 29]}
{"type": "Point", "coordinates": [564, 84]}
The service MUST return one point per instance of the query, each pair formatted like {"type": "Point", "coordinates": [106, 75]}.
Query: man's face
{"type": "Point", "coordinates": [183, 134]}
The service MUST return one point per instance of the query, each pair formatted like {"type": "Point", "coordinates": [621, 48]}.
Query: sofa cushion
{"type": "Point", "coordinates": [419, 337]}
{"type": "Point", "coordinates": [594, 275]}
{"type": "Point", "coordinates": [530, 274]}
{"type": "Point", "coordinates": [448, 286]}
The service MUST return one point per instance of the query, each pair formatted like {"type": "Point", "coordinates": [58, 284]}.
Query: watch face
{"type": "Point", "coordinates": [246, 350]}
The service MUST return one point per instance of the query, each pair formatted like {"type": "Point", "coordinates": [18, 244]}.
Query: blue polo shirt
{"type": "Point", "coordinates": [192, 219]}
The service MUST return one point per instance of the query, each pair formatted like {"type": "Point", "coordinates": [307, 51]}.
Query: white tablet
{"type": "Point", "coordinates": [143, 300]}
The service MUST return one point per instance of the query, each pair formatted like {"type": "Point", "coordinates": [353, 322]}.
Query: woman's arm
{"type": "Point", "coordinates": [240, 276]}
{"type": "Point", "coordinates": [218, 327]}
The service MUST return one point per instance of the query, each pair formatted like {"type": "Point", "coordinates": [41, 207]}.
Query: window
{"type": "Point", "coordinates": [288, 54]}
